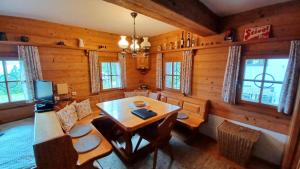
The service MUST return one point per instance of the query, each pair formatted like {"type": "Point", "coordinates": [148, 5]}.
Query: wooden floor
{"type": "Point", "coordinates": [200, 153]}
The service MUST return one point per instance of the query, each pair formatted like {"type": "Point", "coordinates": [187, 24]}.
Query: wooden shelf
{"type": "Point", "coordinates": [52, 46]}
{"type": "Point", "coordinates": [224, 44]}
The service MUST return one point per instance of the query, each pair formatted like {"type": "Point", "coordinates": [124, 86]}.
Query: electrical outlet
{"type": "Point", "coordinates": [74, 93]}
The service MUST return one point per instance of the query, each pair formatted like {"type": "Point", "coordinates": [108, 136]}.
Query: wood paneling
{"type": "Point", "coordinates": [65, 65]}
{"type": "Point", "coordinates": [283, 17]}
{"type": "Point", "coordinates": [210, 61]}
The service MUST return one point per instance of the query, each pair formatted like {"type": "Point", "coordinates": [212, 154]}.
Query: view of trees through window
{"type": "Point", "coordinates": [172, 75]}
{"type": "Point", "coordinates": [111, 75]}
{"type": "Point", "coordinates": [11, 86]}
{"type": "Point", "coordinates": [262, 80]}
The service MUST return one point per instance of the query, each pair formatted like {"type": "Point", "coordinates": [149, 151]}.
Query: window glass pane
{"type": "Point", "coordinates": [116, 82]}
{"type": "Point", "coordinates": [169, 68]}
{"type": "Point", "coordinates": [250, 91]}
{"type": "Point", "coordinates": [105, 68]}
{"type": "Point", "coordinates": [271, 93]}
{"type": "Point", "coordinates": [254, 69]}
{"type": "Point", "coordinates": [13, 70]}
{"type": "Point", "coordinates": [114, 68]}
{"type": "Point", "coordinates": [168, 81]}
{"type": "Point", "coordinates": [3, 93]}
{"type": "Point", "coordinates": [176, 68]}
{"type": "Point", "coordinates": [16, 91]}
{"type": "Point", "coordinates": [2, 78]}
{"type": "Point", "coordinates": [275, 69]}
{"type": "Point", "coordinates": [176, 82]}
{"type": "Point", "coordinates": [106, 82]}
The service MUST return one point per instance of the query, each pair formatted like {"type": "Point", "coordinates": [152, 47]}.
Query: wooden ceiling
{"type": "Point", "coordinates": [191, 15]}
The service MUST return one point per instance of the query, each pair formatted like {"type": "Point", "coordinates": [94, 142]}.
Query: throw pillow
{"type": "Point", "coordinates": [83, 109]}
{"type": "Point", "coordinates": [67, 117]}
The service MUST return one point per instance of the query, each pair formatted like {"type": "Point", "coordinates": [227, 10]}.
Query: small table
{"type": "Point", "coordinates": [120, 112]}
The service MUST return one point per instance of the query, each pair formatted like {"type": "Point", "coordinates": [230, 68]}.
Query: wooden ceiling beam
{"type": "Point", "coordinates": [191, 15]}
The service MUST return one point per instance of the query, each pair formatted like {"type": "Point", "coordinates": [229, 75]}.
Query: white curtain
{"type": "Point", "coordinates": [290, 83]}
{"type": "Point", "coordinates": [186, 74]}
{"type": "Point", "coordinates": [159, 71]}
{"type": "Point", "coordinates": [31, 68]}
{"type": "Point", "coordinates": [122, 61]}
{"type": "Point", "coordinates": [94, 72]}
{"type": "Point", "coordinates": [230, 82]}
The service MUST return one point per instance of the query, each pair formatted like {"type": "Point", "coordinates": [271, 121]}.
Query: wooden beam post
{"type": "Point", "coordinates": [191, 15]}
{"type": "Point", "coordinates": [290, 153]}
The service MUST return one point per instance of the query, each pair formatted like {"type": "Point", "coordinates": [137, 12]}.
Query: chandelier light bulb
{"type": "Point", "coordinates": [145, 44]}
{"type": "Point", "coordinates": [134, 46]}
{"type": "Point", "coordinates": [123, 43]}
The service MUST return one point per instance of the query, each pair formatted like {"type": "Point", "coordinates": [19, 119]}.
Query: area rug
{"type": "Point", "coordinates": [16, 145]}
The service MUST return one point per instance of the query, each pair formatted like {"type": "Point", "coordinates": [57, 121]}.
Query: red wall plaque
{"type": "Point", "coordinates": [261, 32]}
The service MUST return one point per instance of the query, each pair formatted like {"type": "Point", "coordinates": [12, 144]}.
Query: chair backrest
{"type": "Point", "coordinates": [154, 95]}
{"type": "Point", "coordinates": [166, 126]}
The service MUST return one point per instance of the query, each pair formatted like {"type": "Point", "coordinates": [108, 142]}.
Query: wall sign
{"type": "Point", "coordinates": [261, 32]}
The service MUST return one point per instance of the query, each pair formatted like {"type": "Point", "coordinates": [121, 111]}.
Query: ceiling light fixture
{"type": "Point", "coordinates": [135, 47]}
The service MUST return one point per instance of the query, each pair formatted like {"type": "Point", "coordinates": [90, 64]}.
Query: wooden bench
{"type": "Point", "coordinates": [195, 108]}
{"type": "Point", "coordinates": [54, 149]}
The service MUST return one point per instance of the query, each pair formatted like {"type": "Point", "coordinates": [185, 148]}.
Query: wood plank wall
{"type": "Point", "coordinates": [65, 65]}
{"type": "Point", "coordinates": [209, 64]}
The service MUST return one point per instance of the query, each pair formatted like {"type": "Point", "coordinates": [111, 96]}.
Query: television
{"type": "Point", "coordinates": [43, 95]}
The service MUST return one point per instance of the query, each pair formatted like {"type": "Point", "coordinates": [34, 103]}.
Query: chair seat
{"type": "Point", "coordinates": [194, 120]}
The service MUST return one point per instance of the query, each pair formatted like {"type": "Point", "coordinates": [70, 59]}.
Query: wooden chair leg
{"type": "Point", "coordinates": [169, 149]}
{"type": "Point", "coordinates": [138, 144]}
{"type": "Point", "coordinates": [155, 157]}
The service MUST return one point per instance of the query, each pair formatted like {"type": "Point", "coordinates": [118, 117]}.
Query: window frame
{"type": "Point", "coordinates": [172, 75]}
{"type": "Point", "coordinates": [6, 82]}
{"type": "Point", "coordinates": [246, 103]}
{"type": "Point", "coordinates": [101, 76]}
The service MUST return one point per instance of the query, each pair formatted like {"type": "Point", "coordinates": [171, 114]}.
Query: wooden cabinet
{"type": "Point", "coordinates": [142, 61]}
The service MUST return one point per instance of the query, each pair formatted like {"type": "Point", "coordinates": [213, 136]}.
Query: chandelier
{"type": "Point", "coordinates": [135, 47]}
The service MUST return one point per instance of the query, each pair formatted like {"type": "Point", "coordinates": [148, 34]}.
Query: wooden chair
{"type": "Point", "coordinates": [154, 96]}
{"type": "Point", "coordinates": [159, 135]}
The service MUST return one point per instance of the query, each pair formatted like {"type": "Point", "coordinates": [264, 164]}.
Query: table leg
{"type": "Point", "coordinates": [128, 146]}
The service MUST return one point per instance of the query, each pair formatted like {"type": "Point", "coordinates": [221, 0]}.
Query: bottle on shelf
{"type": "Point", "coordinates": [188, 41]}
{"type": "Point", "coordinates": [182, 41]}
{"type": "Point", "coordinates": [176, 46]}
{"type": "Point", "coordinates": [193, 41]}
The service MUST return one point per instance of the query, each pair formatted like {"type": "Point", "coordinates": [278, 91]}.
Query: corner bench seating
{"type": "Point", "coordinates": [54, 149]}
{"type": "Point", "coordinates": [195, 108]}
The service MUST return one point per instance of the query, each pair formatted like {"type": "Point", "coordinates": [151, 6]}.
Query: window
{"type": "Point", "coordinates": [172, 75]}
{"type": "Point", "coordinates": [111, 75]}
{"type": "Point", "coordinates": [12, 88]}
{"type": "Point", "coordinates": [262, 80]}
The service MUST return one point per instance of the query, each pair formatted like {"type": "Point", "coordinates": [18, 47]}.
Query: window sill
{"type": "Point", "coordinates": [172, 90]}
{"type": "Point", "coordinates": [13, 105]}
{"type": "Point", "coordinates": [112, 89]}
{"type": "Point", "coordinates": [262, 109]}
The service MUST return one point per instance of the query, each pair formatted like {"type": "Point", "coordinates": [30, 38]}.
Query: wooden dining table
{"type": "Point", "coordinates": [120, 111]}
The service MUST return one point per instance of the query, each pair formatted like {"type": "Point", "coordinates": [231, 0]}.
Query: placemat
{"type": "Point", "coordinates": [80, 130]}
{"type": "Point", "coordinates": [87, 143]}
{"type": "Point", "coordinates": [182, 116]}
